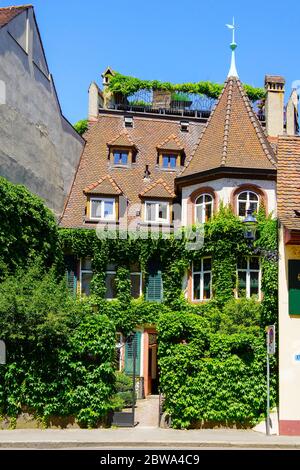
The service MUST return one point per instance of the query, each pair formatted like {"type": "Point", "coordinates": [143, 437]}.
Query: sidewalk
{"type": "Point", "coordinates": [142, 437]}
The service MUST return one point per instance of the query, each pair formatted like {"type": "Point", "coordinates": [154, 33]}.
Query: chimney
{"type": "Point", "coordinates": [161, 99]}
{"type": "Point", "coordinates": [95, 101]}
{"type": "Point", "coordinates": [274, 106]}
{"type": "Point", "coordinates": [108, 96]}
{"type": "Point", "coordinates": [292, 114]}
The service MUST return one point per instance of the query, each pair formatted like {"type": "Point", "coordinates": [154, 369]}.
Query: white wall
{"type": "Point", "coordinates": [224, 188]}
{"type": "Point", "coordinates": [289, 341]}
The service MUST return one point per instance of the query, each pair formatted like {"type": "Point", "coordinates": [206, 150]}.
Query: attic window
{"type": "Point", "coordinates": [120, 157]}
{"type": "Point", "coordinates": [184, 126]}
{"type": "Point", "coordinates": [169, 161]}
{"type": "Point", "coordinates": [128, 121]}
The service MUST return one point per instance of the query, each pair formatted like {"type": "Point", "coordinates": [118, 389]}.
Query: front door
{"type": "Point", "coordinates": [152, 364]}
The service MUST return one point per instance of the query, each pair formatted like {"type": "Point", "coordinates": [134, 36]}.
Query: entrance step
{"type": "Point", "coordinates": [146, 412]}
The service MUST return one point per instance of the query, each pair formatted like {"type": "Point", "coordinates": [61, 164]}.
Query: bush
{"type": "Point", "coordinates": [123, 389]}
{"type": "Point", "coordinates": [27, 229]}
{"type": "Point", "coordinates": [59, 351]}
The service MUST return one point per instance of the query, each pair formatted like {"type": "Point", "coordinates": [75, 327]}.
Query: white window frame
{"type": "Point", "coordinates": [103, 200]}
{"type": "Point", "coordinates": [247, 201]}
{"type": "Point", "coordinates": [157, 219]}
{"type": "Point", "coordinates": [83, 271]}
{"type": "Point", "coordinates": [203, 204]}
{"type": "Point", "coordinates": [248, 272]}
{"type": "Point", "coordinates": [202, 272]}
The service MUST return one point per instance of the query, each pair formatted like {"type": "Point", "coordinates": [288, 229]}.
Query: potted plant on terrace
{"type": "Point", "coordinates": [180, 100]}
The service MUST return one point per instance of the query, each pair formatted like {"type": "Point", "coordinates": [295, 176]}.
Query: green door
{"type": "Point", "coordinates": [129, 355]}
{"type": "Point", "coordinates": [294, 287]}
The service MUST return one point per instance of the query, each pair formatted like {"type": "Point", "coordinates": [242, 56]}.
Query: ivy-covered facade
{"type": "Point", "coordinates": [153, 222]}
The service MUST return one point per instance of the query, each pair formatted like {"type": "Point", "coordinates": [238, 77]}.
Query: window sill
{"type": "Point", "coordinates": [100, 221]}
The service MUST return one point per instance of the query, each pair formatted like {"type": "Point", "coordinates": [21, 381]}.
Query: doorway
{"type": "Point", "coordinates": [153, 373]}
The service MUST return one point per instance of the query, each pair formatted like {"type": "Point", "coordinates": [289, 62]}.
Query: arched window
{"type": "Point", "coordinates": [203, 208]}
{"type": "Point", "coordinates": [247, 200]}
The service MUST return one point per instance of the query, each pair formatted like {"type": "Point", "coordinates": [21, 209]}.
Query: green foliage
{"type": "Point", "coordinates": [81, 126]}
{"type": "Point", "coordinates": [127, 85]}
{"type": "Point", "coordinates": [180, 97]}
{"type": "Point", "coordinates": [27, 229]}
{"type": "Point", "coordinates": [60, 352]}
{"type": "Point", "coordinates": [139, 103]}
{"type": "Point", "coordinates": [211, 376]}
{"type": "Point", "coordinates": [123, 390]}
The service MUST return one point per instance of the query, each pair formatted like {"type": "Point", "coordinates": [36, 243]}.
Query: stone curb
{"type": "Point", "coordinates": [149, 444]}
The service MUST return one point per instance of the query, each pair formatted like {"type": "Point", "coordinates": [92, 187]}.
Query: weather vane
{"type": "Point", "coordinates": [233, 46]}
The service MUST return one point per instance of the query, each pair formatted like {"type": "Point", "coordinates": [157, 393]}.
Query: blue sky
{"type": "Point", "coordinates": [168, 40]}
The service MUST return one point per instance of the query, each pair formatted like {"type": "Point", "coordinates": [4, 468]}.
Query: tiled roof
{"type": "Point", "coordinates": [106, 185]}
{"type": "Point", "coordinates": [232, 137]}
{"type": "Point", "coordinates": [171, 143]}
{"type": "Point", "coordinates": [122, 140]}
{"type": "Point", "coordinates": [8, 13]}
{"type": "Point", "coordinates": [158, 189]}
{"type": "Point", "coordinates": [94, 164]}
{"type": "Point", "coordinates": [288, 181]}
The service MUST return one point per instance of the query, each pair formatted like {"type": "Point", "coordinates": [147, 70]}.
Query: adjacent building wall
{"type": "Point", "coordinates": [289, 347]}
{"type": "Point", "coordinates": [38, 147]}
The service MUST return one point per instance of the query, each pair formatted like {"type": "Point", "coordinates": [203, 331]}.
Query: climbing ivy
{"type": "Point", "coordinates": [127, 85]}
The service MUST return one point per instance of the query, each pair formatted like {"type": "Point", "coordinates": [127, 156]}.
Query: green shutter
{"type": "Point", "coordinates": [294, 287]}
{"type": "Point", "coordinates": [154, 289]}
{"type": "Point", "coordinates": [129, 355]}
{"type": "Point", "coordinates": [71, 273]}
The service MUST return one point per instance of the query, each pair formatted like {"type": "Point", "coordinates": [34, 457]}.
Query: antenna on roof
{"type": "Point", "coordinates": [232, 71]}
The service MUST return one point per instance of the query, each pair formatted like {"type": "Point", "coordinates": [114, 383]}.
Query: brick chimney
{"type": "Point", "coordinates": [161, 99]}
{"type": "Point", "coordinates": [292, 114]}
{"type": "Point", "coordinates": [95, 101]}
{"type": "Point", "coordinates": [274, 107]}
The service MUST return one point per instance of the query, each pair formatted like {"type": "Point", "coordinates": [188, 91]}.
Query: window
{"type": "Point", "coordinates": [103, 209]}
{"type": "Point", "coordinates": [154, 286]}
{"type": "Point", "coordinates": [202, 279]}
{"type": "Point", "coordinates": [86, 275]}
{"type": "Point", "coordinates": [247, 200]}
{"type": "Point", "coordinates": [120, 157]}
{"type": "Point", "coordinates": [157, 211]}
{"type": "Point", "coordinates": [248, 271]}
{"type": "Point", "coordinates": [203, 208]}
{"type": "Point", "coordinates": [169, 161]}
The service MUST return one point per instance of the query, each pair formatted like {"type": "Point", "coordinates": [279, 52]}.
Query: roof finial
{"type": "Point", "coordinates": [232, 71]}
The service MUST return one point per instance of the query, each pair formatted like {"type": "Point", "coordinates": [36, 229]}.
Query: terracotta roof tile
{"type": "Point", "coordinates": [122, 139]}
{"type": "Point", "coordinates": [288, 181]}
{"type": "Point", "coordinates": [95, 165]}
{"type": "Point", "coordinates": [106, 185]}
{"type": "Point", "coordinates": [171, 143]}
{"type": "Point", "coordinates": [8, 13]}
{"type": "Point", "coordinates": [158, 189]}
{"type": "Point", "coordinates": [232, 137]}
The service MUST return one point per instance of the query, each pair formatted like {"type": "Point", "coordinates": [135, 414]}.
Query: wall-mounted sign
{"type": "Point", "coordinates": [271, 344]}
{"type": "Point", "coordinates": [297, 357]}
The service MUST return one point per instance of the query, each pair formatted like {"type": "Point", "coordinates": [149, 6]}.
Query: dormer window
{"type": "Point", "coordinates": [157, 212]}
{"type": "Point", "coordinates": [120, 157]}
{"type": "Point", "coordinates": [102, 208]}
{"type": "Point", "coordinates": [169, 161]}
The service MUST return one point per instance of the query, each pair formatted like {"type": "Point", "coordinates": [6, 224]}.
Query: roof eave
{"type": "Point", "coordinates": [220, 172]}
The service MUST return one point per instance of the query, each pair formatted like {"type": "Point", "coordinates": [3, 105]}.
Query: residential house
{"type": "Point", "coordinates": [166, 165]}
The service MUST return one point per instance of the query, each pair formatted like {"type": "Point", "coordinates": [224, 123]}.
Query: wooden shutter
{"type": "Point", "coordinates": [129, 355]}
{"type": "Point", "coordinates": [71, 273]}
{"type": "Point", "coordinates": [294, 287]}
{"type": "Point", "coordinates": [154, 287]}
